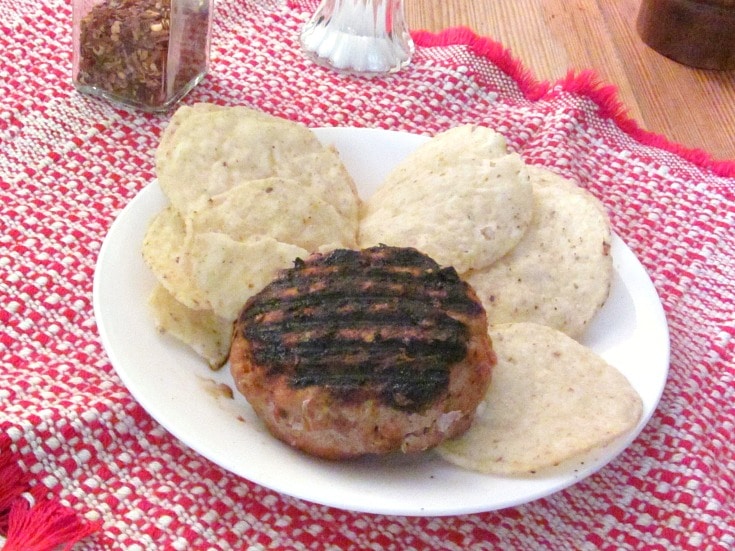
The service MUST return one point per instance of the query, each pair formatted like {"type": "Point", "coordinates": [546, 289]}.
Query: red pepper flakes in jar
{"type": "Point", "coordinates": [146, 54]}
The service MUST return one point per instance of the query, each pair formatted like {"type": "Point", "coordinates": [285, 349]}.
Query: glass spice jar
{"type": "Point", "coordinates": [145, 54]}
{"type": "Point", "coordinates": [364, 37]}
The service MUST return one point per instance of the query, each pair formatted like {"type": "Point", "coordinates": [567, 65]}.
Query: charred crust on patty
{"type": "Point", "coordinates": [320, 321]}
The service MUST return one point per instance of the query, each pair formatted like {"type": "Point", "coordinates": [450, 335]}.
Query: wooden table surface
{"type": "Point", "coordinates": [688, 106]}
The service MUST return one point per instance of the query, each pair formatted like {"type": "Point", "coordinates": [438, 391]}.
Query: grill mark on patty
{"type": "Point", "coordinates": [380, 321]}
{"type": "Point", "coordinates": [301, 288]}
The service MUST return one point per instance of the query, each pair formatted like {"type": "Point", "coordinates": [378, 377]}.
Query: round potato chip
{"type": "Point", "coordinates": [164, 246]}
{"type": "Point", "coordinates": [550, 400]}
{"type": "Point", "coordinates": [560, 273]}
{"type": "Point", "coordinates": [466, 215]}
{"type": "Point", "coordinates": [214, 150]}
{"type": "Point", "coordinates": [229, 272]}
{"type": "Point", "coordinates": [463, 145]}
{"type": "Point", "coordinates": [187, 112]}
{"type": "Point", "coordinates": [277, 207]}
{"type": "Point", "coordinates": [207, 334]}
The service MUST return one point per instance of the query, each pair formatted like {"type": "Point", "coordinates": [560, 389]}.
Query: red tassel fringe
{"type": "Point", "coordinates": [585, 83]}
{"type": "Point", "coordinates": [489, 49]}
{"type": "Point", "coordinates": [43, 526]}
{"type": "Point", "coordinates": [12, 485]}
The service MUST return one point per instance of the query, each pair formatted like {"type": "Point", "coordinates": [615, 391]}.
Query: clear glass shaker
{"type": "Point", "coordinates": [366, 37]}
{"type": "Point", "coordinates": [145, 54]}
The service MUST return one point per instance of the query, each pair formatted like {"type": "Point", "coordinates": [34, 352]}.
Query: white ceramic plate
{"type": "Point", "coordinates": [176, 388]}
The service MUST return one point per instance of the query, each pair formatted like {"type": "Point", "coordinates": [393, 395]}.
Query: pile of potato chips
{"type": "Point", "coordinates": [535, 246]}
{"type": "Point", "coordinates": [536, 249]}
{"type": "Point", "coordinates": [250, 193]}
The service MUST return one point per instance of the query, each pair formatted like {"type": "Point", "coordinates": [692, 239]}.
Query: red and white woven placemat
{"type": "Point", "coordinates": [70, 430]}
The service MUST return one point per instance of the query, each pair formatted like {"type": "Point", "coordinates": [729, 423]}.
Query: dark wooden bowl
{"type": "Point", "coordinates": [698, 33]}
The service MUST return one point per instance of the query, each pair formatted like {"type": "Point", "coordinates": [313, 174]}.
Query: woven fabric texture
{"type": "Point", "coordinates": [70, 163]}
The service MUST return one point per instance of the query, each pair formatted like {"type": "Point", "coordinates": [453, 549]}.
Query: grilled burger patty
{"type": "Point", "coordinates": [356, 352]}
